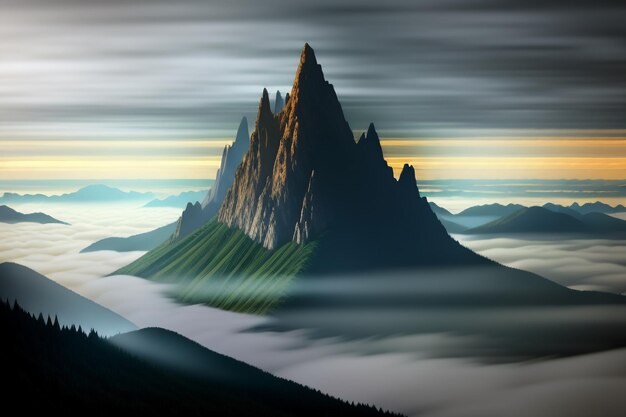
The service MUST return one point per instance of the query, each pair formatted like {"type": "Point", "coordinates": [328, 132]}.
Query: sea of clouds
{"type": "Point", "coordinates": [381, 371]}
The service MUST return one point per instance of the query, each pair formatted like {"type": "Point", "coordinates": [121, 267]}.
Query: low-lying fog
{"type": "Point", "coordinates": [441, 367]}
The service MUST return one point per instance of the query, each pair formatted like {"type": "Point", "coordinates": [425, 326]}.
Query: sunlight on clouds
{"type": "Point", "coordinates": [107, 167]}
{"type": "Point", "coordinates": [512, 167]}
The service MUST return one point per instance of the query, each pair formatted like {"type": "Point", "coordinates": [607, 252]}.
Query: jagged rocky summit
{"type": "Point", "coordinates": [304, 178]}
{"type": "Point", "coordinates": [307, 199]}
{"type": "Point", "coordinates": [196, 215]}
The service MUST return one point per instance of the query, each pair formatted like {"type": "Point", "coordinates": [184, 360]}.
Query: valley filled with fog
{"type": "Point", "coordinates": [428, 368]}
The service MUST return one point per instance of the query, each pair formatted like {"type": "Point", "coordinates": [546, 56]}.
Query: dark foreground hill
{"type": "Point", "coordinates": [38, 294]}
{"type": "Point", "coordinates": [53, 369]}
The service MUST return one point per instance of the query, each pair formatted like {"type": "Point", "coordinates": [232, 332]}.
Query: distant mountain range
{"type": "Point", "coordinates": [146, 372]}
{"type": "Point", "coordinates": [307, 199]}
{"type": "Point", "coordinates": [179, 200]}
{"type": "Point", "coordinates": [8, 215]}
{"type": "Point", "coordinates": [533, 220]}
{"type": "Point", "coordinates": [96, 193]}
{"type": "Point", "coordinates": [38, 294]}
{"type": "Point", "coordinates": [515, 218]}
{"type": "Point", "coordinates": [140, 242]}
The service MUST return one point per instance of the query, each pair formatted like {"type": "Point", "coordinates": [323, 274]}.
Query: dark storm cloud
{"type": "Point", "coordinates": [412, 67]}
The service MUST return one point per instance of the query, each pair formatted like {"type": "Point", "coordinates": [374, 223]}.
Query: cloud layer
{"type": "Point", "coordinates": [394, 372]}
{"type": "Point", "coordinates": [93, 69]}
{"type": "Point", "coordinates": [584, 264]}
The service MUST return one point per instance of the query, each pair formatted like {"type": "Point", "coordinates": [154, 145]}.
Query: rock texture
{"type": "Point", "coordinates": [305, 177]}
{"type": "Point", "coordinates": [196, 215]}
{"type": "Point", "coordinates": [310, 133]}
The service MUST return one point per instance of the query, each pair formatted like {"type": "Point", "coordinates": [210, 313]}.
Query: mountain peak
{"type": "Point", "coordinates": [265, 101]}
{"type": "Point", "coordinates": [407, 177]}
{"type": "Point", "coordinates": [372, 152]}
{"type": "Point", "coordinates": [278, 102]}
{"type": "Point", "coordinates": [309, 72]}
{"type": "Point", "coordinates": [371, 130]}
{"type": "Point", "coordinates": [308, 54]}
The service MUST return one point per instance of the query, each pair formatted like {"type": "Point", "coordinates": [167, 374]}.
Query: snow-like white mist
{"type": "Point", "coordinates": [430, 372]}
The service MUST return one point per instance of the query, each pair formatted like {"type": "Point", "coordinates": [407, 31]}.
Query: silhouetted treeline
{"type": "Point", "coordinates": [49, 368]}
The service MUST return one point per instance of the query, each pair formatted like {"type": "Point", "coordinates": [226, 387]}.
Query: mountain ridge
{"type": "Point", "coordinates": [9, 215]}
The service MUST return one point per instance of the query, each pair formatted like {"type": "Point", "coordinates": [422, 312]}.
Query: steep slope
{"type": "Point", "coordinates": [8, 215]}
{"type": "Point", "coordinates": [533, 220]}
{"type": "Point", "coordinates": [224, 268]}
{"type": "Point", "coordinates": [195, 214]}
{"type": "Point", "coordinates": [305, 178]}
{"type": "Point", "coordinates": [140, 373]}
{"type": "Point", "coordinates": [438, 210]}
{"type": "Point", "coordinates": [38, 294]}
{"type": "Point", "coordinates": [142, 241]}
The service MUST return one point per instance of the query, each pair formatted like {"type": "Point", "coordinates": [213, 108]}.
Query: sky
{"type": "Point", "coordinates": [461, 89]}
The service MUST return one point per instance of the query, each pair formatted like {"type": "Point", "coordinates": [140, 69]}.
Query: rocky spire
{"type": "Point", "coordinates": [278, 102]}
{"type": "Point", "coordinates": [407, 178]}
{"type": "Point", "coordinates": [310, 133]}
{"type": "Point", "coordinates": [371, 154]}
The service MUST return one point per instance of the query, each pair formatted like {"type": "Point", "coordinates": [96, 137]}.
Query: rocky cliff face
{"type": "Point", "coordinates": [305, 177]}
{"type": "Point", "coordinates": [309, 134]}
{"type": "Point", "coordinates": [196, 215]}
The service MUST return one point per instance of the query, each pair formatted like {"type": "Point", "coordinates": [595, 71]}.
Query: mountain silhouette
{"type": "Point", "coordinates": [179, 200]}
{"type": "Point", "coordinates": [597, 207]}
{"type": "Point", "coordinates": [195, 214]}
{"type": "Point", "coordinates": [8, 215]}
{"type": "Point", "coordinates": [140, 242]}
{"type": "Point", "coordinates": [305, 177]}
{"type": "Point", "coordinates": [279, 102]}
{"type": "Point", "coordinates": [533, 220]}
{"type": "Point", "coordinates": [90, 194]}
{"type": "Point", "coordinates": [543, 220]}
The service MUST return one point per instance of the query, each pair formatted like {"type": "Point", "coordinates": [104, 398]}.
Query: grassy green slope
{"type": "Point", "coordinates": [224, 268]}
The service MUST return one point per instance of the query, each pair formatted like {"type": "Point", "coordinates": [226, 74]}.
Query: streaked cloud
{"type": "Point", "coordinates": [94, 71]}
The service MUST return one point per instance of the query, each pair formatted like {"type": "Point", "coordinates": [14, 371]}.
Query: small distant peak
{"type": "Point", "coordinates": [278, 102]}
{"type": "Point", "coordinates": [362, 139]}
{"type": "Point", "coordinates": [243, 134]}
{"type": "Point", "coordinates": [407, 177]}
{"type": "Point", "coordinates": [371, 131]}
